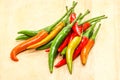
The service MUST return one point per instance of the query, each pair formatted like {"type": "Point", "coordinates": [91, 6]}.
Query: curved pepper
{"type": "Point", "coordinates": [21, 47]}
{"type": "Point", "coordinates": [49, 37]}
{"type": "Point", "coordinates": [85, 51]}
{"type": "Point", "coordinates": [70, 50]}
{"type": "Point", "coordinates": [57, 41]}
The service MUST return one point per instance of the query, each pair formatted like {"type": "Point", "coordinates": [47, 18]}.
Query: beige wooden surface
{"type": "Point", "coordinates": [103, 62]}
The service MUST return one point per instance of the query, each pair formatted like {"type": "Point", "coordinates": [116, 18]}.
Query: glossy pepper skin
{"type": "Point", "coordinates": [67, 39]}
{"type": "Point", "coordinates": [76, 26]}
{"type": "Point", "coordinates": [72, 17]}
{"type": "Point", "coordinates": [64, 43]}
{"type": "Point", "coordinates": [21, 47]}
{"type": "Point", "coordinates": [70, 50]}
{"type": "Point", "coordinates": [49, 37]}
{"type": "Point", "coordinates": [46, 46]}
{"type": "Point", "coordinates": [86, 26]}
{"type": "Point", "coordinates": [85, 51]}
{"type": "Point", "coordinates": [57, 41]}
{"type": "Point", "coordinates": [83, 42]}
{"type": "Point", "coordinates": [53, 33]}
{"type": "Point", "coordinates": [76, 30]}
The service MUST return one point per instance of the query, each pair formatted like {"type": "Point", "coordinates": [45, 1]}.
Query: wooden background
{"type": "Point", "coordinates": [103, 62]}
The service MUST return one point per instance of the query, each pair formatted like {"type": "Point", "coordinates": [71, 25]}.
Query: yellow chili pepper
{"type": "Point", "coordinates": [70, 50]}
{"type": "Point", "coordinates": [49, 37]}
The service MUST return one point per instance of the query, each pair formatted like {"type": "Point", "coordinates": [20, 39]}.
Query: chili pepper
{"type": "Point", "coordinates": [49, 37]}
{"type": "Point", "coordinates": [52, 34]}
{"type": "Point", "coordinates": [29, 33]}
{"type": "Point", "coordinates": [47, 50]}
{"type": "Point", "coordinates": [64, 43]}
{"type": "Point", "coordinates": [72, 17]}
{"type": "Point", "coordinates": [86, 26]}
{"type": "Point", "coordinates": [22, 37]}
{"type": "Point", "coordinates": [64, 51]}
{"type": "Point", "coordinates": [45, 46]}
{"type": "Point", "coordinates": [85, 51]}
{"type": "Point", "coordinates": [70, 50]}
{"type": "Point", "coordinates": [75, 27]}
{"type": "Point", "coordinates": [21, 47]}
{"type": "Point", "coordinates": [83, 42]}
{"type": "Point", "coordinates": [57, 41]}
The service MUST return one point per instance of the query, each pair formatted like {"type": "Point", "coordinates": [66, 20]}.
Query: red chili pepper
{"type": "Point", "coordinates": [72, 17]}
{"type": "Point", "coordinates": [86, 26]}
{"type": "Point", "coordinates": [83, 42]}
{"type": "Point", "coordinates": [65, 42]}
{"type": "Point", "coordinates": [75, 28]}
{"type": "Point", "coordinates": [85, 51]}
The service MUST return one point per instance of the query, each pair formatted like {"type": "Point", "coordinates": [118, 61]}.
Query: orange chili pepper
{"type": "Point", "coordinates": [21, 47]}
{"type": "Point", "coordinates": [85, 51]}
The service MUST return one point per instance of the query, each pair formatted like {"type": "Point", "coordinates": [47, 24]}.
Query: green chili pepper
{"type": "Point", "coordinates": [45, 46]}
{"type": "Point", "coordinates": [29, 33]}
{"type": "Point", "coordinates": [22, 37]}
{"type": "Point", "coordinates": [57, 41]}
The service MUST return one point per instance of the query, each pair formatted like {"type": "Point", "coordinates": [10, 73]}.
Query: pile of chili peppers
{"type": "Point", "coordinates": [69, 36]}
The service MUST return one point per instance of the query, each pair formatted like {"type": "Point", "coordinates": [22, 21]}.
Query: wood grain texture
{"type": "Point", "coordinates": [103, 61]}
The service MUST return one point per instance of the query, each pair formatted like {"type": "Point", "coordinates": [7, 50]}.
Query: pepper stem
{"type": "Point", "coordinates": [80, 19]}
{"type": "Point", "coordinates": [69, 12]}
{"type": "Point", "coordinates": [49, 28]}
{"type": "Point", "coordinates": [94, 35]}
{"type": "Point", "coordinates": [95, 18]}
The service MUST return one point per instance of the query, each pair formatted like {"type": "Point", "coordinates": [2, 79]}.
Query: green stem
{"type": "Point", "coordinates": [94, 34]}
{"type": "Point", "coordinates": [49, 28]}
{"type": "Point", "coordinates": [92, 19]}
{"type": "Point", "coordinates": [86, 13]}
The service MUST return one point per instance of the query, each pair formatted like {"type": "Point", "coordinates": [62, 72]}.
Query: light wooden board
{"type": "Point", "coordinates": [103, 62]}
